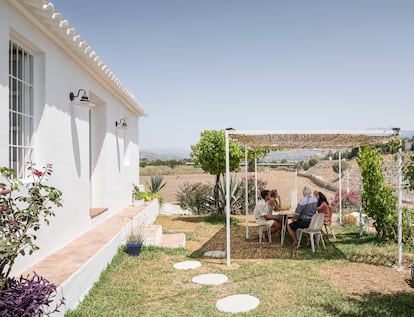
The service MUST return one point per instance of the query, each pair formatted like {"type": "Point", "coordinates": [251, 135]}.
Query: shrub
{"type": "Point", "coordinates": [196, 197]}
{"type": "Point", "coordinates": [409, 173]}
{"type": "Point", "coordinates": [350, 201]}
{"type": "Point", "coordinates": [149, 196]}
{"type": "Point", "coordinates": [344, 166]}
{"type": "Point", "coordinates": [345, 154]}
{"type": "Point", "coordinates": [136, 191]}
{"type": "Point", "coordinates": [28, 297]}
{"type": "Point", "coordinates": [312, 162]}
{"type": "Point", "coordinates": [199, 198]}
{"type": "Point", "coordinates": [23, 212]}
{"type": "Point", "coordinates": [407, 227]}
{"type": "Point", "coordinates": [378, 199]}
{"type": "Point", "coordinates": [143, 195]}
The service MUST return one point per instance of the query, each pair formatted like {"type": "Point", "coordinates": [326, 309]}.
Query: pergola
{"type": "Point", "coordinates": [302, 139]}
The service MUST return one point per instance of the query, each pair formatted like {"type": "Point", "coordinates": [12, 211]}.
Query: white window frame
{"type": "Point", "coordinates": [21, 107]}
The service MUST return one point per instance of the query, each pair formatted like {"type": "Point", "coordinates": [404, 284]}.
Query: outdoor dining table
{"type": "Point", "coordinates": [285, 215]}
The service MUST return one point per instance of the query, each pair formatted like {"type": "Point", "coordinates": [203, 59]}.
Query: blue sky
{"type": "Point", "coordinates": [198, 65]}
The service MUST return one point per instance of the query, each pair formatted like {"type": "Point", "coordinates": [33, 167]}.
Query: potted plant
{"type": "Point", "coordinates": [134, 239]}
{"type": "Point", "coordinates": [137, 195]}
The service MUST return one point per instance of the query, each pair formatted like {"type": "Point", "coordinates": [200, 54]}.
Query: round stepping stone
{"type": "Point", "coordinates": [237, 303]}
{"type": "Point", "coordinates": [187, 265]}
{"type": "Point", "coordinates": [215, 254]}
{"type": "Point", "coordinates": [210, 279]}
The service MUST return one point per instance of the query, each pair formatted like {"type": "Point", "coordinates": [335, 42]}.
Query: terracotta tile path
{"type": "Point", "coordinates": [60, 265]}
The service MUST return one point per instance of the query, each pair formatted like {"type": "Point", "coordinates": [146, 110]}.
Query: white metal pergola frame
{"type": "Point", "coordinates": [307, 139]}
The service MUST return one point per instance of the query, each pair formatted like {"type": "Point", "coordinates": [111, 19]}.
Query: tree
{"type": "Point", "coordinates": [210, 154]}
{"type": "Point", "coordinates": [378, 199]}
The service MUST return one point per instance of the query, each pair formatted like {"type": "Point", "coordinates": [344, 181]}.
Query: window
{"type": "Point", "coordinates": [21, 64]}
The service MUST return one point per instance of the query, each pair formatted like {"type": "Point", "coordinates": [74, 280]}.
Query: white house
{"type": "Point", "coordinates": [94, 148]}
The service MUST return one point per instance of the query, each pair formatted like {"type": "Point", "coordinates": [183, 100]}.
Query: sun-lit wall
{"type": "Point", "coordinates": [95, 163]}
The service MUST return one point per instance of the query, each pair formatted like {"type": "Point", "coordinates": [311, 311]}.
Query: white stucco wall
{"type": "Point", "coordinates": [62, 135]}
{"type": "Point", "coordinates": [4, 88]}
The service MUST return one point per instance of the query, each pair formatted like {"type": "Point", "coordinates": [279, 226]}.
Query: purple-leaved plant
{"type": "Point", "coordinates": [28, 297]}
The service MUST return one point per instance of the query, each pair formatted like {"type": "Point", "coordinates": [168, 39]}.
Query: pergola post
{"type": "Point", "coordinates": [360, 209]}
{"type": "Point", "coordinates": [340, 187]}
{"type": "Point", "coordinates": [399, 209]}
{"type": "Point", "coordinates": [246, 192]}
{"type": "Point", "coordinates": [227, 199]}
{"type": "Point", "coordinates": [255, 177]}
{"type": "Point", "coordinates": [294, 191]}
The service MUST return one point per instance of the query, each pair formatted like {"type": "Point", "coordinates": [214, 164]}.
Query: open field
{"type": "Point", "coordinates": [283, 181]}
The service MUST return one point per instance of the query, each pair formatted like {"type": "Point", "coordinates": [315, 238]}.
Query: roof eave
{"type": "Point", "coordinates": [52, 24]}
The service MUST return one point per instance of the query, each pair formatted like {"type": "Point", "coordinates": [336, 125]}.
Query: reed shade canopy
{"type": "Point", "coordinates": [301, 139]}
{"type": "Point", "coordinates": [286, 140]}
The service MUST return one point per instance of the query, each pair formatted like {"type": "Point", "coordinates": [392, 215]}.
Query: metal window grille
{"type": "Point", "coordinates": [21, 121]}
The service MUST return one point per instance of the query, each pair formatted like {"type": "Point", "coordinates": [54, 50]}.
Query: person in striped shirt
{"type": "Point", "coordinates": [305, 209]}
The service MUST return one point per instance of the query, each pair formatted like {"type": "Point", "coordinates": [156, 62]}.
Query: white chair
{"type": "Point", "coordinates": [263, 228]}
{"type": "Point", "coordinates": [314, 230]}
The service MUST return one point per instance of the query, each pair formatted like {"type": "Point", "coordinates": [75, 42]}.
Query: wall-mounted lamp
{"type": "Point", "coordinates": [83, 101]}
{"type": "Point", "coordinates": [121, 124]}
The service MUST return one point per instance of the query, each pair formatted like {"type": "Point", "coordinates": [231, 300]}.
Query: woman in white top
{"type": "Point", "coordinates": [261, 213]}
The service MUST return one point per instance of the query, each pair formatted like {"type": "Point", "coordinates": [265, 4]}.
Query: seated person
{"type": "Point", "coordinates": [274, 201]}
{"type": "Point", "coordinates": [323, 207]}
{"type": "Point", "coordinates": [305, 209]}
{"type": "Point", "coordinates": [261, 213]}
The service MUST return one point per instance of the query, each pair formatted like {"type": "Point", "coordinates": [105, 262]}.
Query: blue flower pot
{"type": "Point", "coordinates": [134, 249]}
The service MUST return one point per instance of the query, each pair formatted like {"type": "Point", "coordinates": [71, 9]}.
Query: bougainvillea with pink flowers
{"type": "Point", "coordinates": [23, 208]}
{"type": "Point", "coordinates": [196, 197]}
{"type": "Point", "coordinates": [350, 200]}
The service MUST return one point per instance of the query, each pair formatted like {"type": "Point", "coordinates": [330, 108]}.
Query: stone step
{"type": "Point", "coordinates": [154, 237]}
{"type": "Point", "coordinates": [173, 240]}
{"type": "Point", "coordinates": [152, 234]}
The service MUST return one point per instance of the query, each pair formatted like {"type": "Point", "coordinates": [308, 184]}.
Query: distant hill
{"type": "Point", "coordinates": [165, 154]}
{"type": "Point", "coordinates": [175, 154]}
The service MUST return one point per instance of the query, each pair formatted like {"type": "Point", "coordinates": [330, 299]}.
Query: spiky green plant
{"type": "Point", "coordinates": [235, 201]}
{"type": "Point", "coordinates": [156, 183]}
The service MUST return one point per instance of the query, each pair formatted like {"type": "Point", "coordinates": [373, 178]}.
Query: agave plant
{"type": "Point", "coordinates": [235, 205]}
{"type": "Point", "coordinates": [156, 184]}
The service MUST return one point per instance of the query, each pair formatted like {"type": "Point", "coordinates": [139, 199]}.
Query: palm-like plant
{"type": "Point", "coordinates": [156, 184]}
{"type": "Point", "coordinates": [235, 204]}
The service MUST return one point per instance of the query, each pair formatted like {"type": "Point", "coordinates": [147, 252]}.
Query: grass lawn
{"type": "Point", "coordinates": [353, 277]}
